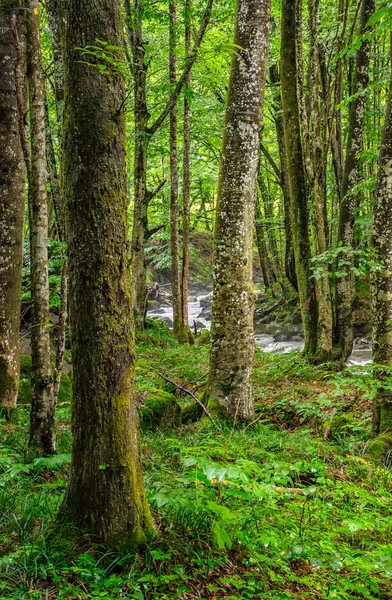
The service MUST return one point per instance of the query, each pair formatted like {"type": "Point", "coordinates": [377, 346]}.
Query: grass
{"type": "Point", "coordinates": [287, 508]}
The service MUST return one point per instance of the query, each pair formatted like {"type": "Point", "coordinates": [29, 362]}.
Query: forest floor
{"type": "Point", "coordinates": [288, 507]}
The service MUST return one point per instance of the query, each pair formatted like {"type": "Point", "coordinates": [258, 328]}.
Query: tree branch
{"type": "Point", "coordinates": [179, 387]}
{"type": "Point", "coordinates": [189, 63]}
{"type": "Point", "coordinates": [151, 194]}
{"type": "Point", "coordinates": [271, 162]}
{"type": "Point", "coordinates": [151, 232]}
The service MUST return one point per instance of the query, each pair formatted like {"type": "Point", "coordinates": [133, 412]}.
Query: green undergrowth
{"type": "Point", "coordinates": [289, 507]}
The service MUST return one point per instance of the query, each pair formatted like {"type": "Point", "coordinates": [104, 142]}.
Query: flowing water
{"type": "Point", "coordinates": [362, 352]}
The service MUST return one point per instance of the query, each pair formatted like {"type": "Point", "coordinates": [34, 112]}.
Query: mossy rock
{"type": "Point", "coordinates": [343, 424]}
{"type": "Point", "coordinates": [161, 411]}
{"type": "Point", "coordinates": [204, 337]}
{"type": "Point", "coordinates": [65, 391]}
{"type": "Point", "coordinates": [377, 448]}
{"type": "Point", "coordinates": [191, 413]}
{"type": "Point", "coordinates": [24, 392]}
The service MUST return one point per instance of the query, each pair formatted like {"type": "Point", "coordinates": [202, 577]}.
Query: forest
{"type": "Point", "coordinates": [195, 299]}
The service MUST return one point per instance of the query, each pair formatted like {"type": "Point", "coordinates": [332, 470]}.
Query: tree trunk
{"type": "Point", "coordinates": [54, 22]}
{"type": "Point", "coordinates": [261, 245]}
{"type": "Point", "coordinates": [296, 175]}
{"type": "Point", "coordinates": [12, 197]}
{"type": "Point", "coordinates": [186, 186]}
{"type": "Point", "coordinates": [174, 212]}
{"type": "Point", "coordinates": [232, 344]}
{"type": "Point", "coordinates": [319, 190]}
{"type": "Point", "coordinates": [345, 284]}
{"type": "Point", "coordinates": [143, 134]}
{"type": "Point", "coordinates": [105, 497]}
{"type": "Point", "coordinates": [42, 415]}
{"type": "Point", "coordinates": [141, 116]}
{"type": "Point", "coordinates": [382, 287]}
{"type": "Point", "coordinates": [271, 239]}
{"type": "Point", "coordinates": [278, 118]}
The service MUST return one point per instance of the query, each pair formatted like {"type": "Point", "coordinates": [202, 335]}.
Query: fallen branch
{"type": "Point", "coordinates": [196, 399]}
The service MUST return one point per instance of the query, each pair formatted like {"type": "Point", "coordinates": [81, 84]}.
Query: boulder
{"type": "Point", "coordinates": [160, 411]}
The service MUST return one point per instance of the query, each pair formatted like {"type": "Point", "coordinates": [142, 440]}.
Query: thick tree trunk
{"type": "Point", "coordinates": [382, 287]}
{"type": "Point", "coordinates": [232, 344]}
{"type": "Point", "coordinates": [186, 186]}
{"type": "Point", "coordinates": [297, 175]}
{"type": "Point", "coordinates": [105, 497]}
{"type": "Point", "coordinates": [289, 260]}
{"type": "Point", "coordinates": [319, 190]}
{"type": "Point", "coordinates": [42, 417]}
{"type": "Point", "coordinates": [345, 284]}
{"type": "Point", "coordinates": [174, 211]}
{"type": "Point", "coordinates": [12, 196]}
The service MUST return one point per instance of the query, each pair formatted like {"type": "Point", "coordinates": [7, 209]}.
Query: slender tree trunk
{"type": "Point", "coordinates": [278, 117]}
{"type": "Point", "coordinates": [186, 186]}
{"type": "Point", "coordinates": [297, 176]}
{"type": "Point", "coordinates": [345, 284]}
{"type": "Point", "coordinates": [271, 239]}
{"type": "Point", "coordinates": [319, 191]}
{"type": "Point", "coordinates": [261, 245]}
{"type": "Point", "coordinates": [54, 22]}
{"type": "Point", "coordinates": [42, 415]}
{"type": "Point", "coordinates": [105, 497]}
{"type": "Point", "coordinates": [174, 211]}
{"type": "Point", "coordinates": [12, 197]}
{"type": "Point", "coordinates": [382, 287]}
{"type": "Point", "coordinates": [143, 134]}
{"type": "Point", "coordinates": [232, 344]}
{"type": "Point", "coordinates": [141, 116]}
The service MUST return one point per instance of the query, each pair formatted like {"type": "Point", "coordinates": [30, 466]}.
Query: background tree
{"type": "Point", "coordinates": [232, 345]}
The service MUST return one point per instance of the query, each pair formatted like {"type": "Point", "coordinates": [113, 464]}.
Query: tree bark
{"type": "Point", "coordinates": [186, 186]}
{"type": "Point", "coordinates": [278, 118]}
{"type": "Point", "coordinates": [232, 344]}
{"type": "Point", "coordinates": [318, 185]}
{"type": "Point", "coordinates": [42, 415]}
{"type": "Point", "coordinates": [382, 285]}
{"type": "Point", "coordinates": [143, 134]}
{"type": "Point", "coordinates": [105, 497]}
{"type": "Point", "coordinates": [345, 285]}
{"type": "Point", "coordinates": [174, 211]}
{"type": "Point", "coordinates": [12, 197]}
{"type": "Point", "coordinates": [296, 175]}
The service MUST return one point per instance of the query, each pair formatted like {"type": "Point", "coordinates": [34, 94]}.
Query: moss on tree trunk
{"type": "Point", "coordinates": [296, 173]}
{"type": "Point", "coordinates": [105, 497]}
{"type": "Point", "coordinates": [382, 289]}
{"type": "Point", "coordinates": [12, 190]}
{"type": "Point", "coordinates": [232, 344]}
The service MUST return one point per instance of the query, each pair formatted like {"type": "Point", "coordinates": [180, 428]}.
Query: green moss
{"type": "Point", "coordinates": [377, 448]}
{"type": "Point", "coordinates": [24, 393]}
{"type": "Point", "coordinates": [204, 337]}
{"type": "Point", "coordinates": [65, 391]}
{"type": "Point", "coordinates": [191, 413]}
{"type": "Point", "coordinates": [161, 411]}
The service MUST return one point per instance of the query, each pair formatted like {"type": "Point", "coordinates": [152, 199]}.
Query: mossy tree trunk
{"type": "Point", "coordinates": [174, 210]}
{"type": "Point", "coordinates": [12, 196]}
{"type": "Point", "coordinates": [278, 118]}
{"type": "Point", "coordinates": [105, 497]}
{"type": "Point", "coordinates": [42, 417]}
{"type": "Point", "coordinates": [232, 344]}
{"type": "Point", "coordinates": [345, 285]}
{"type": "Point", "coordinates": [382, 280]}
{"type": "Point", "coordinates": [318, 183]}
{"type": "Point", "coordinates": [186, 185]}
{"type": "Point", "coordinates": [143, 133]}
{"type": "Point", "coordinates": [296, 173]}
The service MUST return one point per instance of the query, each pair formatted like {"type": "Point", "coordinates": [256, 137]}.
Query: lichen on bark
{"type": "Point", "coordinates": [232, 345]}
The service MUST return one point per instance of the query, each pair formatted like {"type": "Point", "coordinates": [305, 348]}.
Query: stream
{"type": "Point", "coordinates": [282, 340]}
